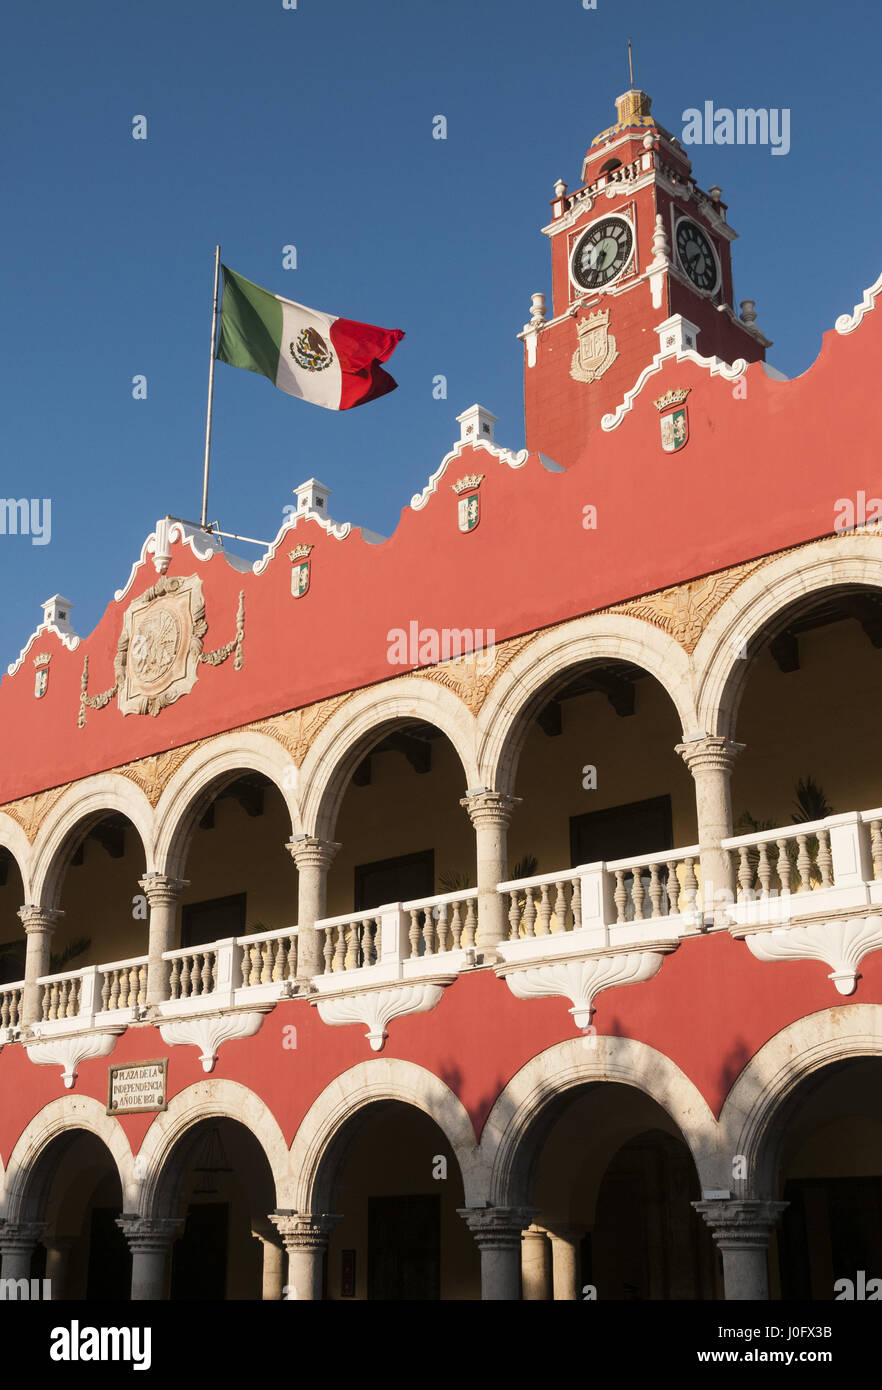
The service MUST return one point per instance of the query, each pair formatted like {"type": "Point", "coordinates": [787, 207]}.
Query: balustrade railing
{"type": "Point", "coordinates": [543, 905]}
{"type": "Point", "coordinates": [10, 1004]}
{"type": "Point", "coordinates": [193, 971]}
{"type": "Point", "coordinates": [269, 957]}
{"type": "Point", "coordinates": [793, 859]}
{"type": "Point", "coordinates": [400, 931]}
{"type": "Point", "coordinates": [78, 995]}
{"type": "Point", "coordinates": [660, 885]}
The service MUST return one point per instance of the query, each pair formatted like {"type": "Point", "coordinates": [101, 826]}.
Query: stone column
{"type": "Point", "coordinates": [305, 1235]}
{"type": "Point", "coordinates": [150, 1239]}
{"type": "Point", "coordinates": [565, 1263]}
{"type": "Point", "coordinates": [313, 858]}
{"type": "Point", "coordinates": [58, 1250]}
{"type": "Point", "coordinates": [497, 1232]}
{"type": "Point", "coordinates": [742, 1229]}
{"type": "Point", "coordinates": [490, 814]}
{"type": "Point", "coordinates": [273, 1253]}
{"type": "Point", "coordinates": [710, 760]}
{"type": "Point", "coordinates": [17, 1242]}
{"type": "Point", "coordinates": [535, 1264]}
{"type": "Point", "coordinates": [39, 924]}
{"type": "Point", "coordinates": [162, 894]}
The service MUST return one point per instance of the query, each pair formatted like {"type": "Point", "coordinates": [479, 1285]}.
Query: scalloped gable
{"type": "Point", "coordinates": [758, 475]}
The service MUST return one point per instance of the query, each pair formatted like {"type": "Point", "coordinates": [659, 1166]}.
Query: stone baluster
{"type": "Point", "coordinates": [543, 927]}
{"type": "Point", "coordinates": [560, 906]}
{"type": "Point", "coordinates": [305, 1236]}
{"type": "Point", "coordinates": [163, 894]}
{"type": "Point", "coordinates": [655, 890]}
{"type": "Point", "coordinates": [621, 896]}
{"type": "Point", "coordinates": [490, 813]}
{"type": "Point", "coordinates": [804, 863]}
{"type": "Point", "coordinates": [313, 858]}
{"type": "Point", "coordinates": [825, 859]}
{"type": "Point", "coordinates": [497, 1232]}
{"type": "Point", "coordinates": [742, 1229]}
{"type": "Point", "coordinates": [711, 760]}
{"type": "Point", "coordinates": [150, 1240]}
{"type": "Point", "coordinates": [876, 847]}
{"type": "Point", "coordinates": [39, 924]}
{"type": "Point", "coordinates": [442, 926]}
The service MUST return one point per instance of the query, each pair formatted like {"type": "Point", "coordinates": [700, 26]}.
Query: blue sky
{"type": "Point", "coordinates": [312, 127]}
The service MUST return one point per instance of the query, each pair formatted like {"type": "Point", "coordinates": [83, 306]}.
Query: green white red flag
{"type": "Point", "coordinates": [321, 358]}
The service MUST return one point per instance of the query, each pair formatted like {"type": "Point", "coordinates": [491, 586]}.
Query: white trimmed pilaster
{"type": "Point", "coordinates": [313, 858]}
{"type": "Point", "coordinates": [711, 760]}
{"type": "Point", "coordinates": [490, 813]}
{"type": "Point", "coordinates": [742, 1230]}
{"type": "Point", "coordinates": [39, 924]}
{"type": "Point", "coordinates": [163, 894]}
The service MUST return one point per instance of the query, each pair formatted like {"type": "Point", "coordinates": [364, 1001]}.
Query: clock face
{"type": "Point", "coordinates": [696, 255]}
{"type": "Point", "coordinates": [602, 253]}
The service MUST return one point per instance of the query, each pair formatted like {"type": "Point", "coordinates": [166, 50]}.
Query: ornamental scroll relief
{"type": "Point", "coordinates": [160, 649]}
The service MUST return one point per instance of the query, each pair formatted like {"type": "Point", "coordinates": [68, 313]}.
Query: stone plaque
{"type": "Point", "coordinates": [141, 1086]}
{"type": "Point", "coordinates": [160, 646]}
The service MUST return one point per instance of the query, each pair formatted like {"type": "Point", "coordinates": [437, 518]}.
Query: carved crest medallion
{"type": "Point", "coordinates": [597, 348]}
{"type": "Point", "coordinates": [300, 569]}
{"type": "Point", "coordinates": [160, 646]}
{"type": "Point", "coordinates": [469, 506]}
{"type": "Point", "coordinates": [674, 420]}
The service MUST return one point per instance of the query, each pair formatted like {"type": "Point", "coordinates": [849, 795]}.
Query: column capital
{"type": "Point", "coordinates": [40, 919]}
{"type": "Point", "coordinates": [309, 852]}
{"type": "Point", "coordinates": [712, 753]}
{"type": "Point", "coordinates": [20, 1237]}
{"type": "Point", "coordinates": [303, 1230]}
{"type": "Point", "coordinates": [487, 807]}
{"type": "Point", "coordinates": [149, 1233]}
{"type": "Point", "coordinates": [161, 890]}
{"type": "Point", "coordinates": [497, 1228]}
{"type": "Point", "coordinates": [740, 1223]}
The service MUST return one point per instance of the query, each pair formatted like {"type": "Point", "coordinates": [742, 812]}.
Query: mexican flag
{"type": "Point", "coordinates": [330, 361]}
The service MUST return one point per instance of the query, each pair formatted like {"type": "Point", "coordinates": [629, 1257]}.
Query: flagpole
{"type": "Point", "coordinates": [210, 390]}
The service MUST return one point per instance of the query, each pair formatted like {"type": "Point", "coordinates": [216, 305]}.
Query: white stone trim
{"type": "Point", "coordinates": [547, 658]}
{"type": "Point", "coordinates": [85, 800]}
{"type": "Point", "coordinates": [720, 674]}
{"type": "Point", "coordinates": [205, 1100]}
{"type": "Point", "coordinates": [346, 738]}
{"type": "Point", "coordinates": [317, 1142]}
{"type": "Point", "coordinates": [756, 1110]}
{"type": "Point", "coordinates": [505, 456]}
{"type": "Point", "coordinates": [847, 323]}
{"type": "Point", "coordinates": [67, 1052]}
{"type": "Point", "coordinates": [714, 366]}
{"type": "Point", "coordinates": [375, 1008]}
{"type": "Point", "coordinates": [13, 838]}
{"type": "Point", "coordinates": [60, 1117]}
{"type": "Point", "coordinates": [209, 1031]}
{"type": "Point", "coordinates": [339, 530]}
{"type": "Point", "coordinates": [507, 1143]}
{"type": "Point", "coordinates": [244, 750]}
{"type": "Point", "coordinates": [68, 639]}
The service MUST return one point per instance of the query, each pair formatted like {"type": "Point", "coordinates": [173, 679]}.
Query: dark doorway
{"type": "Point", "coordinates": [213, 920]}
{"type": "Point", "coordinates": [404, 1248]}
{"type": "Point", "coordinates": [831, 1230]}
{"type": "Point", "coordinates": [199, 1261]}
{"type": "Point", "coordinates": [109, 1276]}
{"type": "Point", "coordinates": [640, 827]}
{"type": "Point", "coordinates": [395, 880]}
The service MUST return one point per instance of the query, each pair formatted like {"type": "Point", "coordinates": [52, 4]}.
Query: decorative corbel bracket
{"type": "Point", "coordinates": [583, 979]}
{"type": "Point", "coordinates": [68, 1052]}
{"type": "Point", "coordinates": [840, 944]}
{"type": "Point", "coordinates": [209, 1031]}
{"type": "Point", "coordinates": [377, 1007]}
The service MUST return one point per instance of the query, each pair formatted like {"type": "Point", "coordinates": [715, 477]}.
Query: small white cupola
{"type": "Point", "coordinates": [312, 496]}
{"type": "Point", "coordinates": [476, 425]}
{"type": "Point", "coordinates": [56, 611]}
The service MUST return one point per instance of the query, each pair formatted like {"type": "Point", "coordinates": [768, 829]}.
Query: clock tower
{"type": "Point", "coordinates": [640, 265]}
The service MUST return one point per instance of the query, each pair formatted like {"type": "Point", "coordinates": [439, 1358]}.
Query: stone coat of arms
{"type": "Point", "coordinates": [160, 646]}
{"type": "Point", "coordinates": [597, 348]}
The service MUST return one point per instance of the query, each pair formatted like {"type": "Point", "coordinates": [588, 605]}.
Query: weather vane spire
{"type": "Point", "coordinates": [630, 65]}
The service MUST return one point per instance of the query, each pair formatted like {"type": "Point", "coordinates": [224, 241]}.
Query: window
{"type": "Point", "coordinates": [639, 827]}
{"type": "Point", "coordinates": [213, 920]}
{"type": "Point", "coordinates": [395, 880]}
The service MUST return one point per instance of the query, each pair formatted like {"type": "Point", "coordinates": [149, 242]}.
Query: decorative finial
{"type": "Point", "coordinates": [630, 64]}
{"type": "Point", "coordinates": [748, 311]}
{"type": "Point", "coordinates": [715, 192]}
{"type": "Point", "coordinates": [560, 189]}
{"type": "Point", "coordinates": [537, 310]}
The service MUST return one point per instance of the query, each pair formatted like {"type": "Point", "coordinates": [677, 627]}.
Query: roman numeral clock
{"type": "Point", "coordinates": [640, 264]}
